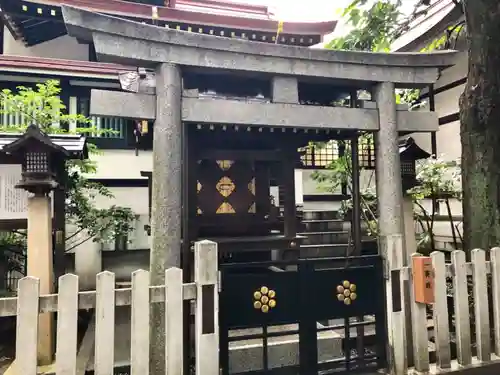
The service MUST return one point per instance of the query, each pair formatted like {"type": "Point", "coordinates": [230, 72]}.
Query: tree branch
{"type": "Point", "coordinates": [78, 244]}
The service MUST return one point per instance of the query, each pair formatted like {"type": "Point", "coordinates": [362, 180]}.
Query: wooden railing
{"type": "Point", "coordinates": [29, 304]}
{"type": "Point", "coordinates": [116, 126]}
{"type": "Point", "coordinates": [465, 326]}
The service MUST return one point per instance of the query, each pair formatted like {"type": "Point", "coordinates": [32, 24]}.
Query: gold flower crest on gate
{"type": "Point", "coordinates": [346, 292]}
{"type": "Point", "coordinates": [264, 299]}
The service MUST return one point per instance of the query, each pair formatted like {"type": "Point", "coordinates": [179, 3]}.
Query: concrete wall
{"type": "Point", "coordinates": [64, 47]}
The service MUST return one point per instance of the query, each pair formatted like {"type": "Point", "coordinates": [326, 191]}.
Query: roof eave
{"type": "Point", "coordinates": [58, 67]}
{"type": "Point", "coordinates": [421, 40]}
{"type": "Point", "coordinates": [141, 11]}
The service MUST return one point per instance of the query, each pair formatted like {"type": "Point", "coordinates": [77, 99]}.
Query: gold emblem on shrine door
{"type": "Point", "coordinates": [264, 299]}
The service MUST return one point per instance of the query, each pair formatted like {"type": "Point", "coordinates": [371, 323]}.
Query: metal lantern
{"type": "Point", "coordinates": [409, 153]}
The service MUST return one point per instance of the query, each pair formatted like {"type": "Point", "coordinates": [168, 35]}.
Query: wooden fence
{"type": "Point", "coordinates": [204, 291]}
{"type": "Point", "coordinates": [470, 333]}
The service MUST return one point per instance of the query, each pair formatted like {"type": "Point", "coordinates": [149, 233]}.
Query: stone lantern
{"type": "Point", "coordinates": [409, 153]}
{"type": "Point", "coordinates": [42, 158]}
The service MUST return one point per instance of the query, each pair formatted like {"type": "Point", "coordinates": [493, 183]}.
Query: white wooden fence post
{"type": "Point", "coordinates": [397, 346]}
{"type": "Point", "coordinates": [27, 326]}
{"type": "Point", "coordinates": [461, 308]}
{"type": "Point", "coordinates": [440, 313]}
{"type": "Point", "coordinates": [495, 277]}
{"type": "Point", "coordinates": [139, 330]}
{"type": "Point", "coordinates": [67, 324]}
{"type": "Point", "coordinates": [481, 310]}
{"type": "Point", "coordinates": [105, 324]}
{"type": "Point", "coordinates": [207, 308]}
{"type": "Point", "coordinates": [174, 329]}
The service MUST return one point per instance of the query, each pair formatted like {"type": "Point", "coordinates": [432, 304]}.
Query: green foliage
{"type": "Point", "coordinates": [376, 24]}
{"type": "Point", "coordinates": [438, 177]}
{"type": "Point", "coordinates": [42, 106]}
{"type": "Point", "coordinates": [439, 181]}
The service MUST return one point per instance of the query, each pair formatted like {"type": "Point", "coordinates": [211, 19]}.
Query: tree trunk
{"type": "Point", "coordinates": [480, 126]}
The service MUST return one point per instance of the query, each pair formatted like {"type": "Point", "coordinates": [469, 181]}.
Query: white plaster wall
{"type": "Point", "coordinates": [122, 163]}
{"type": "Point", "coordinates": [135, 198]}
{"type": "Point", "coordinates": [64, 47]}
{"type": "Point", "coordinates": [310, 187]}
{"type": "Point", "coordinates": [447, 102]}
{"type": "Point", "coordinates": [457, 71]}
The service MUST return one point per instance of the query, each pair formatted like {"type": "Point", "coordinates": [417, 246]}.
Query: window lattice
{"type": "Point", "coordinates": [37, 162]}
{"type": "Point", "coordinates": [407, 167]}
{"type": "Point", "coordinates": [366, 152]}
{"type": "Point", "coordinates": [320, 156]}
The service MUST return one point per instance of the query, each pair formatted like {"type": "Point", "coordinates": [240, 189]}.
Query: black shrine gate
{"type": "Point", "coordinates": [330, 308]}
{"type": "Point", "coordinates": [327, 315]}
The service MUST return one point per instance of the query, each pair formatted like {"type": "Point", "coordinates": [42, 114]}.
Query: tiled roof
{"type": "Point", "coordinates": [39, 65]}
{"type": "Point", "coordinates": [73, 143]}
{"type": "Point", "coordinates": [199, 12]}
{"type": "Point", "coordinates": [428, 26]}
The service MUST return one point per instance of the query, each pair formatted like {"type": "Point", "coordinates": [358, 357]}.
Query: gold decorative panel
{"type": "Point", "coordinates": [251, 186]}
{"type": "Point", "coordinates": [225, 164]}
{"type": "Point", "coordinates": [225, 208]}
{"type": "Point", "coordinates": [225, 186]}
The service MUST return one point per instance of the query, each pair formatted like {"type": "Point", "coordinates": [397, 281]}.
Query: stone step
{"type": "Point", "coordinates": [320, 215]}
{"type": "Point", "coordinates": [329, 224]}
{"type": "Point", "coordinates": [323, 225]}
{"type": "Point", "coordinates": [329, 237]}
{"type": "Point", "coordinates": [324, 221]}
{"type": "Point", "coordinates": [325, 237]}
{"type": "Point", "coordinates": [335, 250]}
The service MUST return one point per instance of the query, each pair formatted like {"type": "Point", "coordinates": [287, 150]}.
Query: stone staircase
{"type": "Point", "coordinates": [329, 236]}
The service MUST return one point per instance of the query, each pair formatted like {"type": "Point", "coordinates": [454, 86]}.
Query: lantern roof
{"type": "Point", "coordinates": [69, 145]}
{"type": "Point", "coordinates": [408, 148]}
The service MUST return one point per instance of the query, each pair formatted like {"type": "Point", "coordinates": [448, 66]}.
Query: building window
{"type": "Point", "coordinates": [113, 127]}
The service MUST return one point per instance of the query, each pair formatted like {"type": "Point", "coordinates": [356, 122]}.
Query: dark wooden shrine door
{"type": "Point", "coordinates": [226, 187]}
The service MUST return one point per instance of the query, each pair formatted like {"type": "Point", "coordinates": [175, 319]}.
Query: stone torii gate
{"type": "Point", "coordinates": [168, 51]}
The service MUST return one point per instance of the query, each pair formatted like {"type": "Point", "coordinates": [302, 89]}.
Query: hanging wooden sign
{"type": "Point", "coordinates": [423, 280]}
